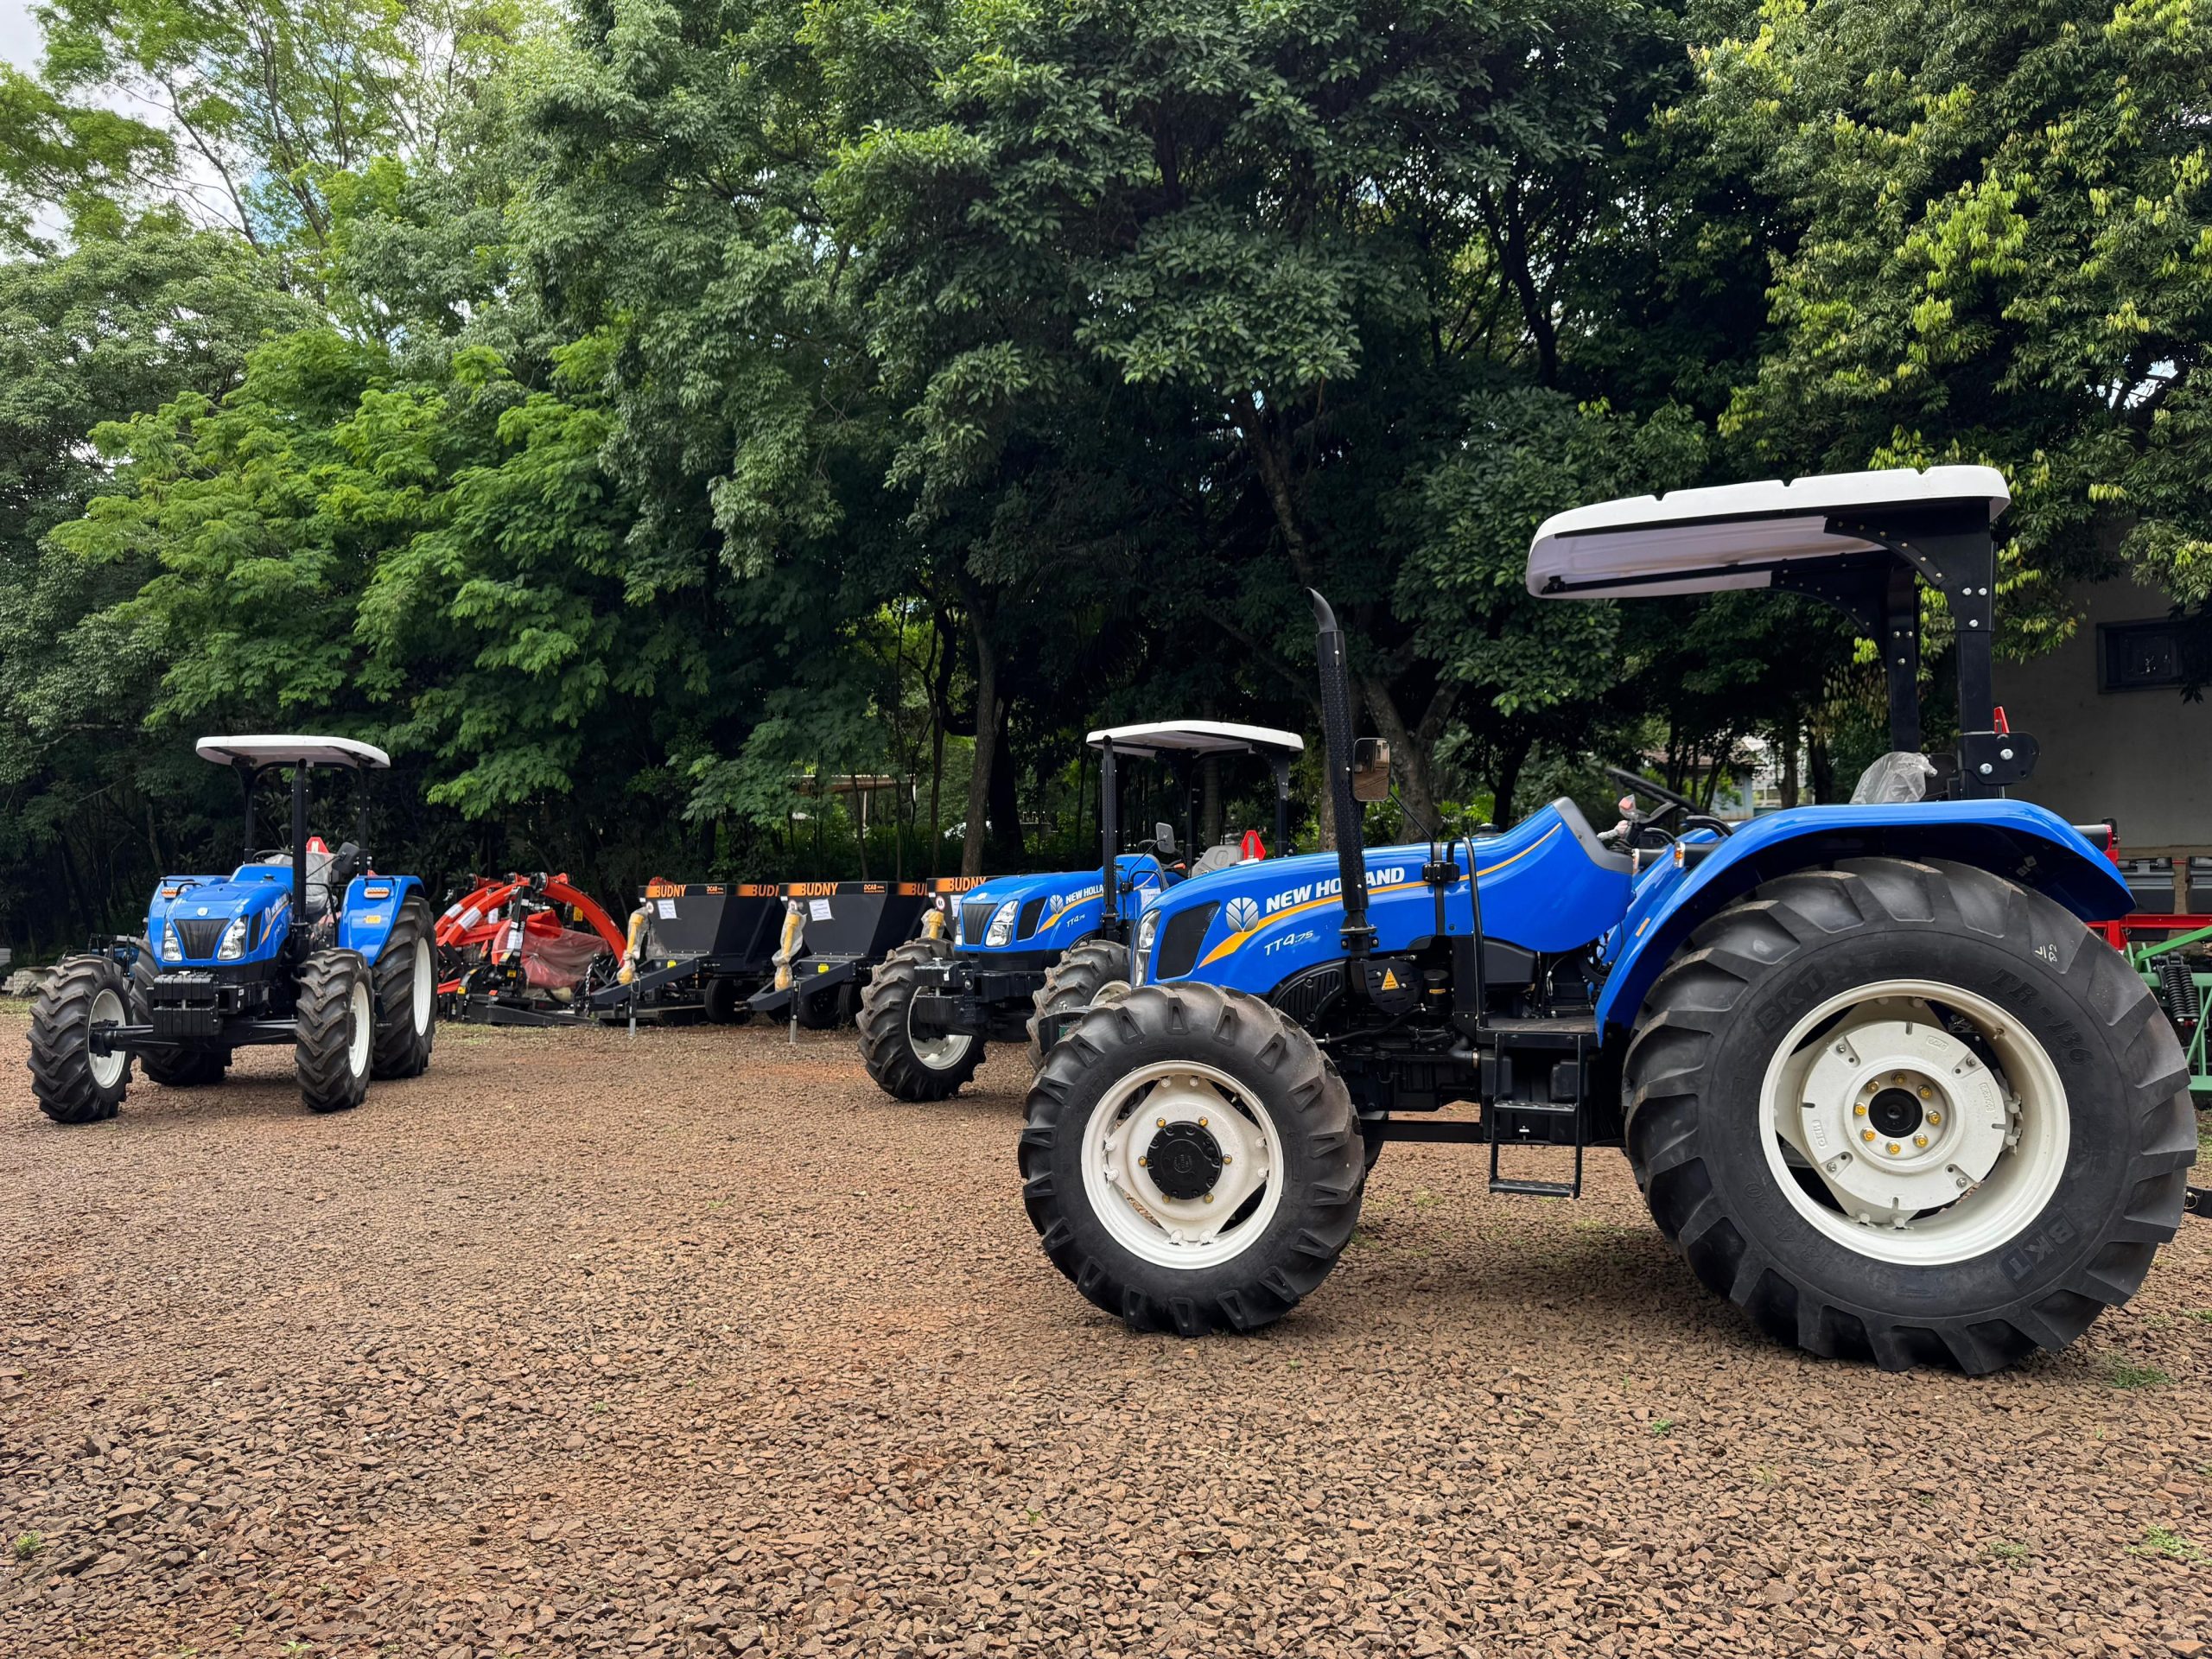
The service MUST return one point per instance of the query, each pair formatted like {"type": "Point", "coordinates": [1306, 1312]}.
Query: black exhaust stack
{"type": "Point", "coordinates": [1358, 938]}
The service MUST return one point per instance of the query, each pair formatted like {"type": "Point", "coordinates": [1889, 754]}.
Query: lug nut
{"type": "Point", "coordinates": [1934, 1118]}
{"type": "Point", "coordinates": [1919, 1140]}
{"type": "Point", "coordinates": [1202, 1122]}
{"type": "Point", "coordinates": [1160, 1122]}
{"type": "Point", "coordinates": [1894, 1149]}
{"type": "Point", "coordinates": [1865, 1135]}
{"type": "Point", "coordinates": [1859, 1111]}
{"type": "Point", "coordinates": [1926, 1093]}
{"type": "Point", "coordinates": [1226, 1161]}
{"type": "Point", "coordinates": [1144, 1163]}
{"type": "Point", "coordinates": [1209, 1197]}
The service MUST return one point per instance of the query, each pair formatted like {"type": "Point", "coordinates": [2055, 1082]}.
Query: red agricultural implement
{"type": "Point", "coordinates": [526, 949]}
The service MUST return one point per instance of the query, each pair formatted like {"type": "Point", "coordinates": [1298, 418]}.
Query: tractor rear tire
{"type": "Point", "coordinates": [1932, 1032]}
{"type": "Point", "coordinates": [71, 1084]}
{"type": "Point", "coordinates": [906, 1065]}
{"type": "Point", "coordinates": [1156, 1106]}
{"type": "Point", "coordinates": [335, 1033]}
{"type": "Point", "coordinates": [1071, 984]}
{"type": "Point", "coordinates": [184, 1068]}
{"type": "Point", "coordinates": [406, 981]}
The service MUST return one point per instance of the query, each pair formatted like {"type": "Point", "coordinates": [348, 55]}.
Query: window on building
{"type": "Point", "coordinates": [2141, 655]}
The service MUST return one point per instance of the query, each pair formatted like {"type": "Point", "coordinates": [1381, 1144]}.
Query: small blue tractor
{"type": "Point", "coordinates": [298, 945]}
{"type": "Point", "coordinates": [1879, 1084]}
{"type": "Point", "coordinates": [1029, 948]}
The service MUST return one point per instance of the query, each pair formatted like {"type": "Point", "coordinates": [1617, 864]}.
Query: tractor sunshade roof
{"type": "Point", "coordinates": [1737, 535]}
{"type": "Point", "coordinates": [283, 751]}
{"type": "Point", "coordinates": [1199, 737]}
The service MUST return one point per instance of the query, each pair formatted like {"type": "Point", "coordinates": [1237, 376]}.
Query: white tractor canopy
{"type": "Point", "coordinates": [291, 751]}
{"type": "Point", "coordinates": [1740, 535]}
{"type": "Point", "coordinates": [1199, 737]}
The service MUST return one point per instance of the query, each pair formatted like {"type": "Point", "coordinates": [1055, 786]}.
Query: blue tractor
{"type": "Point", "coordinates": [1027, 948]}
{"type": "Point", "coordinates": [299, 944]}
{"type": "Point", "coordinates": [1879, 1084]}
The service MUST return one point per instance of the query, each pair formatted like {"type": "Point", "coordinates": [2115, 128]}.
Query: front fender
{"type": "Point", "coordinates": [2028, 844]}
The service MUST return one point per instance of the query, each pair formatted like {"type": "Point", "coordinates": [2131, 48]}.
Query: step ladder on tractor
{"type": "Point", "coordinates": [299, 944]}
{"type": "Point", "coordinates": [1878, 1082]}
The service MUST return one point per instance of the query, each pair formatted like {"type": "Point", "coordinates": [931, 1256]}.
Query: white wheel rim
{"type": "Point", "coordinates": [424, 988]}
{"type": "Point", "coordinates": [360, 1029]}
{"type": "Point", "coordinates": [1186, 1232]}
{"type": "Point", "coordinates": [107, 1069]}
{"type": "Point", "coordinates": [940, 1050]}
{"type": "Point", "coordinates": [1924, 1152]}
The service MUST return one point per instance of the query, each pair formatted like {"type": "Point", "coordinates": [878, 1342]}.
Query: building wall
{"type": "Point", "coordinates": [2143, 758]}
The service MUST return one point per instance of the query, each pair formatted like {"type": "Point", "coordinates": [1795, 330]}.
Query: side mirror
{"type": "Point", "coordinates": [1370, 770]}
{"type": "Point", "coordinates": [1163, 837]}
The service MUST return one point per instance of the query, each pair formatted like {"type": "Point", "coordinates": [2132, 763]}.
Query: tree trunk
{"type": "Point", "coordinates": [987, 743]}
{"type": "Point", "coordinates": [1209, 804]}
{"type": "Point", "coordinates": [1787, 786]}
{"type": "Point", "coordinates": [1505, 778]}
{"type": "Point", "coordinates": [1821, 764]}
{"type": "Point", "coordinates": [1007, 847]}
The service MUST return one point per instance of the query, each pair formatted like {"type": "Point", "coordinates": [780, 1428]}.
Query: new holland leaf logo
{"type": "Point", "coordinates": [1243, 915]}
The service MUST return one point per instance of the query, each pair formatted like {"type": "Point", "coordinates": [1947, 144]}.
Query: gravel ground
{"type": "Point", "coordinates": [694, 1343]}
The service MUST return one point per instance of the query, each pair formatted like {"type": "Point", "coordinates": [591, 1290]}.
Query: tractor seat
{"type": "Point", "coordinates": [328, 875]}
{"type": "Point", "coordinates": [1217, 858]}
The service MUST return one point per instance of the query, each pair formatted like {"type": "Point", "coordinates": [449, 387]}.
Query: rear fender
{"type": "Point", "coordinates": [372, 905]}
{"type": "Point", "coordinates": [2027, 844]}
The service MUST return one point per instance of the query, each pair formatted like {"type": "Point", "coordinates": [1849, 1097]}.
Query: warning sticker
{"type": "Point", "coordinates": [818, 909]}
{"type": "Point", "coordinates": [667, 908]}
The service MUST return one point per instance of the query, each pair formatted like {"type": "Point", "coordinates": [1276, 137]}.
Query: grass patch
{"type": "Point", "coordinates": [2004, 1550]}
{"type": "Point", "coordinates": [27, 1545]}
{"type": "Point", "coordinates": [2159, 1540]}
{"type": "Point", "coordinates": [2126, 1373]}
{"type": "Point", "coordinates": [1662, 1427]}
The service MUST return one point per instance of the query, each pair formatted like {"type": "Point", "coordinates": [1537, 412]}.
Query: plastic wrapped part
{"type": "Point", "coordinates": [1900, 775]}
{"type": "Point", "coordinates": [554, 961]}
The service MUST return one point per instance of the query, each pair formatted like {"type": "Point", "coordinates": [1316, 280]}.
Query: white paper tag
{"type": "Point", "coordinates": [818, 909]}
{"type": "Point", "coordinates": [667, 909]}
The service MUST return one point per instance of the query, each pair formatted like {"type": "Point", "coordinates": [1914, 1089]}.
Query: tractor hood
{"type": "Point", "coordinates": [1050, 913]}
{"type": "Point", "coordinates": [198, 911]}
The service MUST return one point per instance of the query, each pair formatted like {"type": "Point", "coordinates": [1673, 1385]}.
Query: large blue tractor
{"type": "Point", "coordinates": [1027, 948]}
{"type": "Point", "coordinates": [299, 945]}
{"type": "Point", "coordinates": [1878, 1082]}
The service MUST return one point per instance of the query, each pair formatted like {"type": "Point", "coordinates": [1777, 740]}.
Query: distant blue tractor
{"type": "Point", "coordinates": [1878, 1082]}
{"type": "Point", "coordinates": [298, 945]}
{"type": "Point", "coordinates": [1031, 948]}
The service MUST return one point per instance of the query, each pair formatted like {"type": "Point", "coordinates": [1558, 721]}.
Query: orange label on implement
{"type": "Point", "coordinates": [808, 889]}
{"type": "Point", "coordinates": [657, 888]}
{"type": "Point", "coordinates": [758, 890]}
{"type": "Point", "coordinates": [956, 883]}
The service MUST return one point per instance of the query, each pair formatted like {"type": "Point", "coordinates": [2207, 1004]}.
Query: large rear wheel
{"type": "Point", "coordinates": [406, 982]}
{"type": "Point", "coordinates": [911, 1060]}
{"type": "Point", "coordinates": [71, 1084]}
{"type": "Point", "coordinates": [1909, 1112]}
{"type": "Point", "coordinates": [1192, 1160]}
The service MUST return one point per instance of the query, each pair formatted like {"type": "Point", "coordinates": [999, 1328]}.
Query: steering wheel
{"type": "Point", "coordinates": [1696, 818]}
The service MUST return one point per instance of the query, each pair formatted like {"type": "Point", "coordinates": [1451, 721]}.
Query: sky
{"type": "Point", "coordinates": [18, 33]}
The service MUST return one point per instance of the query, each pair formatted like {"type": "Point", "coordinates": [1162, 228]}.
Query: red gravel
{"type": "Point", "coordinates": [695, 1344]}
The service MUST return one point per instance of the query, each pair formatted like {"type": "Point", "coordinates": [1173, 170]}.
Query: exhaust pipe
{"type": "Point", "coordinates": [1358, 938]}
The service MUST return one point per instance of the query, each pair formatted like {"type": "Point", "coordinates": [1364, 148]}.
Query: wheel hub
{"type": "Point", "coordinates": [1898, 1115]}
{"type": "Point", "coordinates": [1181, 1160]}
{"type": "Point", "coordinates": [1184, 1160]}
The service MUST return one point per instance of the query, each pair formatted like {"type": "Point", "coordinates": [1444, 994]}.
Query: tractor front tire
{"type": "Point", "coordinates": [1909, 1112]}
{"type": "Point", "coordinates": [406, 982]}
{"type": "Point", "coordinates": [905, 1064]}
{"type": "Point", "coordinates": [1192, 1160]}
{"type": "Point", "coordinates": [71, 1084]}
{"type": "Point", "coordinates": [1071, 984]}
{"type": "Point", "coordinates": [184, 1068]}
{"type": "Point", "coordinates": [335, 1033]}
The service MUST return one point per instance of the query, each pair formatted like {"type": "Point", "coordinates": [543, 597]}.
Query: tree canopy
{"type": "Point", "coordinates": [646, 418]}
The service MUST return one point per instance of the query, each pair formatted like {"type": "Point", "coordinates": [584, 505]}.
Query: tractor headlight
{"type": "Point", "coordinates": [1148, 930]}
{"type": "Point", "coordinates": [233, 945]}
{"type": "Point", "coordinates": [172, 946]}
{"type": "Point", "coordinates": [1000, 931]}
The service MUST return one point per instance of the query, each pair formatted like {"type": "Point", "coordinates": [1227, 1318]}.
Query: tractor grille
{"type": "Point", "coordinates": [974, 918]}
{"type": "Point", "coordinates": [1026, 924]}
{"type": "Point", "coordinates": [202, 936]}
